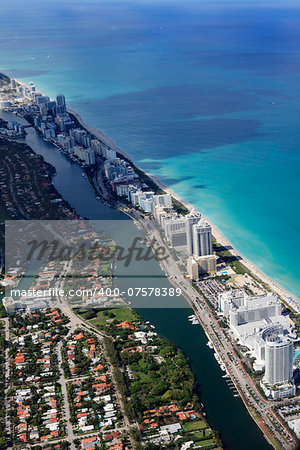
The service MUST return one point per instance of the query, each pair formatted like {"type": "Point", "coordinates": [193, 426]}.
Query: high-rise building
{"type": "Point", "coordinates": [51, 108]}
{"type": "Point", "coordinates": [179, 230]}
{"type": "Point", "coordinates": [278, 360]}
{"type": "Point", "coordinates": [61, 104]}
{"type": "Point", "coordinates": [175, 231]}
{"type": "Point", "coordinates": [64, 123]}
{"type": "Point", "coordinates": [49, 133]}
{"type": "Point", "coordinates": [192, 268]}
{"type": "Point", "coordinates": [41, 99]}
{"type": "Point", "coordinates": [231, 299]}
{"type": "Point", "coordinates": [160, 212]}
{"type": "Point", "coordinates": [64, 141]}
{"type": "Point", "coordinates": [163, 200]}
{"type": "Point", "coordinates": [81, 137]}
{"type": "Point", "coordinates": [201, 265]}
{"type": "Point", "coordinates": [174, 224]}
{"type": "Point", "coordinates": [191, 219]}
{"type": "Point", "coordinates": [255, 309]}
{"type": "Point", "coordinates": [110, 153]}
{"type": "Point", "coordinates": [202, 239]}
{"type": "Point", "coordinates": [89, 156]}
{"type": "Point", "coordinates": [32, 86]}
{"type": "Point", "coordinates": [147, 204]}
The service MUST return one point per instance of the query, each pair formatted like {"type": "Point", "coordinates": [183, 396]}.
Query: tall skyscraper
{"type": "Point", "coordinates": [278, 360]}
{"type": "Point", "coordinates": [61, 104]}
{"type": "Point", "coordinates": [202, 239]}
{"type": "Point", "coordinates": [179, 230]}
{"type": "Point", "coordinates": [191, 219]}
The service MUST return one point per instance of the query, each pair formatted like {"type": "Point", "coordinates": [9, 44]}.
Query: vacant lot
{"type": "Point", "coordinates": [108, 315]}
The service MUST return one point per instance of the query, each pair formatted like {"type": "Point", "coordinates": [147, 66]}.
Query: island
{"type": "Point", "coordinates": [251, 322]}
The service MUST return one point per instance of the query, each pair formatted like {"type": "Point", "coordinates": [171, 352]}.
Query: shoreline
{"type": "Point", "coordinates": [217, 234]}
{"type": "Point", "coordinates": [273, 285]}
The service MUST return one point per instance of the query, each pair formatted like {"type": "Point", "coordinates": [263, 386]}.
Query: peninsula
{"type": "Point", "coordinates": [232, 299]}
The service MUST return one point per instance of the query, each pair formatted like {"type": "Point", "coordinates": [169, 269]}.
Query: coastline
{"type": "Point", "coordinates": [99, 134]}
{"type": "Point", "coordinates": [217, 234]}
{"type": "Point", "coordinates": [274, 286]}
{"type": "Point", "coordinates": [284, 293]}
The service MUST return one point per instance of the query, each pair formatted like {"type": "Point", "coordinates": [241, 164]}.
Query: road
{"type": "Point", "coordinates": [259, 408]}
{"type": "Point", "coordinates": [64, 392]}
{"type": "Point", "coordinates": [7, 380]}
{"type": "Point", "coordinates": [75, 322]}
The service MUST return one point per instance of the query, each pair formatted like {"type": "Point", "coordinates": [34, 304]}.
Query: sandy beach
{"type": "Point", "coordinates": [220, 238]}
{"type": "Point", "coordinates": [99, 135]}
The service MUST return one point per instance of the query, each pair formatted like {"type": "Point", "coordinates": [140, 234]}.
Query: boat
{"type": "Point", "coordinates": [195, 322]}
{"type": "Point", "coordinates": [217, 357]}
{"type": "Point", "coordinates": [84, 175]}
{"type": "Point", "coordinates": [210, 344]}
{"type": "Point", "coordinates": [191, 318]}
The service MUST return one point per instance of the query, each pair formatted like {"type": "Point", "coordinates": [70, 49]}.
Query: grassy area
{"type": "Point", "coordinates": [143, 176]}
{"type": "Point", "coordinates": [160, 373]}
{"type": "Point", "coordinates": [107, 315]}
{"type": "Point", "coordinates": [195, 425]}
{"type": "Point", "coordinates": [201, 434]}
{"type": "Point", "coordinates": [179, 207]}
{"type": "Point", "coordinates": [209, 443]}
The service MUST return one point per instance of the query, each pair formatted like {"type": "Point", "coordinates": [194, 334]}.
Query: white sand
{"type": "Point", "coordinates": [220, 238]}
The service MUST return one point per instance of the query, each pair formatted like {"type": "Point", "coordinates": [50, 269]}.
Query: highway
{"type": "Point", "coordinates": [259, 408]}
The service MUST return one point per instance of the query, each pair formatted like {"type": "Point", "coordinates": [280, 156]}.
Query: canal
{"type": "Point", "coordinates": [225, 413]}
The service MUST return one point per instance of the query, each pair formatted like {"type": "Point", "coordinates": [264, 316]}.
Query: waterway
{"type": "Point", "coordinates": [225, 413]}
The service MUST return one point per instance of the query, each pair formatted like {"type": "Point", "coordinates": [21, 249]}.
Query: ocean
{"type": "Point", "coordinates": [204, 94]}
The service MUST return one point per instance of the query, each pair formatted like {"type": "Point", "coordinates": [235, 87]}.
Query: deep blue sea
{"type": "Point", "coordinates": [205, 94]}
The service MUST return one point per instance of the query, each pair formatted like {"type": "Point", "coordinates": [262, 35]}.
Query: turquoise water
{"type": "Point", "coordinates": [203, 94]}
{"type": "Point", "coordinates": [236, 429]}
